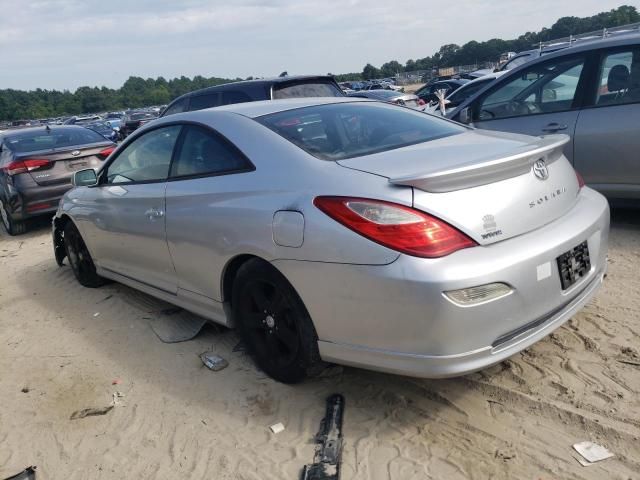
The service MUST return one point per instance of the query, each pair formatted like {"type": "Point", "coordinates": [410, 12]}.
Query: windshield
{"type": "Point", "coordinates": [464, 92]}
{"type": "Point", "coordinates": [308, 89]}
{"type": "Point", "coordinates": [43, 140]}
{"type": "Point", "coordinates": [347, 130]}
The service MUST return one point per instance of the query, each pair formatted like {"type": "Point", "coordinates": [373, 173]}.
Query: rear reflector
{"type": "Point", "coordinates": [394, 226]}
{"type": "Point", "coordinates": [106, 152]}
{"type": "Point", "coordinates": [467, 297]}
{"type": "Point", "coordinates": [26, 165]}
{"type": "Point", "coordinates": [39, 206]}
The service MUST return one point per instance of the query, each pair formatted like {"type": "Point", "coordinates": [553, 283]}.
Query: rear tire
{"type": "Point", "coordinates": [80, 258]}
{"type": "Point", "coordinates": [274, 323]}
{"type": "Point", "coordinates": [11, 226]}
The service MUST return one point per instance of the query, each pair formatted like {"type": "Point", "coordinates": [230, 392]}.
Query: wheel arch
{"type": "Point", "coordinates": [229, 274]}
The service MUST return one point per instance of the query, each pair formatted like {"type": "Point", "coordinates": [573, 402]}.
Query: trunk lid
{"type": "Point", "coordinates": [483, 182]}
{"type": "Point", "coordinates": [64, 162]}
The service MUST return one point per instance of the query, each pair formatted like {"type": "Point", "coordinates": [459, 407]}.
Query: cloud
{"type": "Point", "coordinates": [68, 43]}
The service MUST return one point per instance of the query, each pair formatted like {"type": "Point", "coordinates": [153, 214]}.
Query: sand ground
{"type": "Point", "coordinates": [516, 420]}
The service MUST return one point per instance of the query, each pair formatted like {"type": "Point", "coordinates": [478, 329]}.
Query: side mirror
{"type": "Point", "coordinates": [465, 116]}
{"type": "Point", "coordinates": [84, 178]}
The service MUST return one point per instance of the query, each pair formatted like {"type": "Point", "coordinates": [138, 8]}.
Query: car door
{"type": "Point", "coordinates": [607, 143]}
{"type": "Point", "coordinates": [203, 199]}
{"type": "Point", "coordinates": [124, 223]}
{"type": "Point", "coordinates": [540, 99]}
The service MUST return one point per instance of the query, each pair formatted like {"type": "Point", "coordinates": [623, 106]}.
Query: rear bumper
{"type": "Point", "coordinates": [36, 200]}
{"type": "Point", "coordinates": [442, 366]}
{"type": "Point", "coordinates": [395, 317]}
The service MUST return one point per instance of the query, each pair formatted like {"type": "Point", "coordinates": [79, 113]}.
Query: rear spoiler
{"type": "Point", "coordinates": [477, 173]}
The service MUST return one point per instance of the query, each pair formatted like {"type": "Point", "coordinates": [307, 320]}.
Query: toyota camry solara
{"type": "Point", "coordinates": [345, 231]}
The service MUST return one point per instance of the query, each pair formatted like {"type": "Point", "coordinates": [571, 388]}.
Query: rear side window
{"type": "Point", "coordinates": [63, 138]}
{"type": "Point", "coordinates": [205, 101]}
{"type": "Point", "coordinates": [347, 130]}
{"type": "Point", "coordinates": [177, 107]}
{"type": "Point", "coordinates": [619, 78]}
{"type": "Point", "coordinates": [310, 89]}
{"type": "Point", "coordinates": [203, 152]}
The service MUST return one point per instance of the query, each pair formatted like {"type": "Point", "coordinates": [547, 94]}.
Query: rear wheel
{"type": "Point", "coordinates": [274, 323]}
{"type": "Point", "coordinates": [12, 226]}
{"type": "Point", "coordinates": [79, 258]}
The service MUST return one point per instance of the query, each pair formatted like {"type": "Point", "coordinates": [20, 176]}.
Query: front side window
{"type": "Point", "coordinates": [619, 78]}
{"type": "Point", "coordinates": [309, 89]}
{"type": "Point", "coordinates": [202, 152]}
{"type": "Point", "coordinates": [146, 159]}
{"type": "Point", "coordinates": [348, 130]}
{"type": "Point", "coordinates": [543, 88]}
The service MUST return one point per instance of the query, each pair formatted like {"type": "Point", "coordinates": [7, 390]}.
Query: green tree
{"type": "Point", "coordinates": [369, 72]}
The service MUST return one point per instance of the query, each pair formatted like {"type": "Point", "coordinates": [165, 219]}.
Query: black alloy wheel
{"type": "Point", "coordinates": [80, 258]}
{"type": "Point", "coordinates": [274, 323]}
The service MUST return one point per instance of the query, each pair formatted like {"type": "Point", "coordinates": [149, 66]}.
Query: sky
{"type": "Point", "coordinates": [64, 44]}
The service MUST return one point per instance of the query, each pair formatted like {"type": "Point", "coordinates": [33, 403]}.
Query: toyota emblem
{"type": "Point", "coordinates": [540, 170]}
{"type": "Point", "coordinates": [75, 153]}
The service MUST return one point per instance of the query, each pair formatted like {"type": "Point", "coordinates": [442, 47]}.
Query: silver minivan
{"type": "Point", "coordinates": [590, 92]}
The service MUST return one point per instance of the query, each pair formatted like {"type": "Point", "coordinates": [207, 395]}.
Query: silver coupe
{"type": "Point", "coordinates": [344, 230]}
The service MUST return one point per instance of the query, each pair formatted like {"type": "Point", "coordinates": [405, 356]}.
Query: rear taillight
{"type": "Point", "coordinates": [421, 102]}
{"type": "Point", "coordinates": [400, 228]}
{"type": "Point", "coordinates": [580, 180]}
{"type": "Point", "coordinates": [26, 165]}
{"type": "Point", "coordinates": [106, 152]}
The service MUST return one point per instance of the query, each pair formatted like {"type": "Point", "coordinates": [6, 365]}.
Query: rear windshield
{"type": "Point", "coordinates": [348, 130]}
{"type": "Point", "coordinates": [41, 140]}
{"type": "Point", "coordinates": [309, 89]}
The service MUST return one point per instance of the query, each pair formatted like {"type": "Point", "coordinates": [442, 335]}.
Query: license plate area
{"type": "Point", "coordinates": [573, 265]}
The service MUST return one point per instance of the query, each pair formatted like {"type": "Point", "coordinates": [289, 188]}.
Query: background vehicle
{"type": "Point", "coordinates": [36, 165]}
{"type": "Point", "coordinates": [591, 92]}
{"type": "Point", "coordinates": [82, 120]}
{"type": "Point", "coordinates": [105, 129]}
{"type": "Point", "coordinates": [254, 90]}
{"type": "Point", "coordinates": [310, 223]}
{"type": "Point", "coordinates": [467, 90]}
{"type": "Point", "coordinates": [428, 92]}
{"type": "Point", "coordinates": [134, 120]}
{"type": "Point", "coordinates": [390, 96]}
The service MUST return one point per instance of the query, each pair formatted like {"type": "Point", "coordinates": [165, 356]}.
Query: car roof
{"type": "Point", "coordinates": [259, 81]}
{"type": "Point", "coordinates": [266, 107]}
{"type": "Point", "coordinates": [596, 44]}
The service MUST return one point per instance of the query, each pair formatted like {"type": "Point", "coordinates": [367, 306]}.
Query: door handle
{"type": "Point", "coordinates": [154, 213]}
{"type": "Point", "coordinates": [554, 127]}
